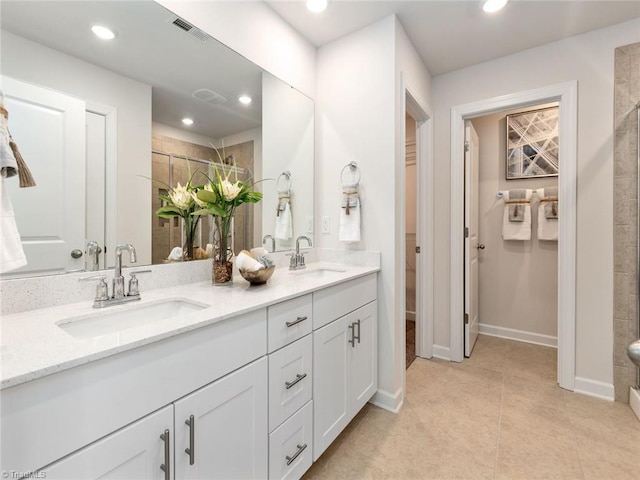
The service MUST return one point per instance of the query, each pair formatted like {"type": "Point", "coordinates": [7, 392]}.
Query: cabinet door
{"type": "Point", "coordinates": [230, 438]}
{"type": "Point", "coordinates": [363, 368]}
{"type": "Point", "coordinates": [330, 384]}
{"type": "Point", "coordinates": [291, 446]}
{"type": "Point", "coordinates": [134, 452]}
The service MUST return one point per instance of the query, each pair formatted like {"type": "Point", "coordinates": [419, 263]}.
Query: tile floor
{"type": "Point", "coordinates": [497, 415]}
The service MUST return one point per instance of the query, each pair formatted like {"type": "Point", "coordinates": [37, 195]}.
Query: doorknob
{"type": "Point", "coordinates": [481, 246]}
{"type": "Point", "coordinates": [76, 253]}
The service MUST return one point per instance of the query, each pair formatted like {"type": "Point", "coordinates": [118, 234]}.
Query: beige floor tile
{"type": "Point", "coordinates": [497, 415]}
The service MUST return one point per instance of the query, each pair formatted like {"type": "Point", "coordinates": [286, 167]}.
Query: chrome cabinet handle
{"type": "Point", "coordinates": [301, 448]}
{"type": "Point", "coordinates": [358, 336]}
{"type": "Point", "coordinates": [299, 377]}
{"type": "Point", "coordinates": [353, 335]}
{"type": "Point", "coordinates": [166, 466]}
{"type": "Point", "coordinates": [296, 321]}
{"type": "Point", "coordinates": [191, 451]}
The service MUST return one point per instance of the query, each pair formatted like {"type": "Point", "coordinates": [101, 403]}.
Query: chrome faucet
{"type": "Point", "coordinates": [118, 279]}
{"type": "Point", "coordinates": [297, 259]}
{"type": "Point", "coordinates": [92, 258]}
{"type": "Point", "coordinates": [102, 298]}
{"type": "Point", "coordinates": [273, 242]}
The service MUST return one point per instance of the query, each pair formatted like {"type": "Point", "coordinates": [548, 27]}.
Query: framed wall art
{"type": "Point", "coordinates": [532, 144]}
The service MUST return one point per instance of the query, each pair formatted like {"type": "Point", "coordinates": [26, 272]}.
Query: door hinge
{"type": "Point", "coordinates": [466, 319]}
{"type": "Point", "coordinates": [417, 249]}
{"type": "Point", "coordinates": [466, 232]}
{"type": "Point", "coordinates": [466, 146]}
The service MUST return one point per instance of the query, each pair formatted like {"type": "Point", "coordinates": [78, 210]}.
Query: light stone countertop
{"type": "Point", "coordinates": [32, 345]}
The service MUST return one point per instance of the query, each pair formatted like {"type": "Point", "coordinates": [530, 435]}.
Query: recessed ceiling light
{"type": "Point", "coordinates": [103, 32]}
{"type": "Point", "coordinates": [491, 6]}
{"type": "Point", "coordinates": [187, 121]}
{"type": "Point", "coordinates": [244, 99]}
{"type": "Point", "coordinates": [317, 6]}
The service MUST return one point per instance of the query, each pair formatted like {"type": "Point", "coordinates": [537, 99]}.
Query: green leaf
{"type": "Point", "coordinates": [207, 196]}
{"type": "Point", "coordinates": [211, 210]}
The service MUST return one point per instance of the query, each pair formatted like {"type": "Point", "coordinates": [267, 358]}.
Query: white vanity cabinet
{"type": "Point", "coordinates": [136, 451]}
{"type": "Point", "coordinates": [345, 358]}
{"type": "Point", "coordinates": [227, 428]}
{"type": "Point", "coordinates": [228, 420]}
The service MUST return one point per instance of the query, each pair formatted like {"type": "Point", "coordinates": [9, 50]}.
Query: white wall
{"type": "Point", "coordinates": [518, 280]}
{"type": "Point", "coordinates": [259, 34]}
{"type": "Point", "coordinates": [34, 63]}
{"type": "Point", "coordinates": [588, 59]}
{"type": "Point", "coordinates": [359, 104]}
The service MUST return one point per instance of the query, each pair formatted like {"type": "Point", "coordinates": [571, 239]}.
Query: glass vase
{"type": "Point", "coordinates": [222, 255]}
{"type": "Point", "coordinates": [189, 228]}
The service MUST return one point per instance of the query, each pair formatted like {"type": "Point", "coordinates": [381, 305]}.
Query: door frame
{"type": "Point", "coordinates": [424, 227]}
{"type": "Point", "coordinates": [566, 94]}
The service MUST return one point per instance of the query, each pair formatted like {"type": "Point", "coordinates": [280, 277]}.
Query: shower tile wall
{"type": "Point", "coordinates": [627, 94]}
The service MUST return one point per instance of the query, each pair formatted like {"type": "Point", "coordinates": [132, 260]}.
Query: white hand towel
{"type": "Point", "coordinates": [517, 230]}
{"type": "Point", "coordinates": [547, 227]}
{"type": "Point", "coordinates": [11, 253]}
{"type": "Point", "coordinates": [350, 224]}
{"type": "Point", "coordinates": [284, 229]}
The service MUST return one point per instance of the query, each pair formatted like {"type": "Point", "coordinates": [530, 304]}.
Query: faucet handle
{"type": "Point", "coordinates": [133, 282]}
{"type": "Point", "coordinates": [102, 290]}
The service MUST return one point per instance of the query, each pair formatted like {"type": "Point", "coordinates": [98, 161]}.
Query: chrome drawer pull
{"type": "Point", "coordinates": [191, 451]}
{"type": "Point", "coordinates": [353, 335]}
{"type": "Point", "coordinates": [300, 450]}
{"type": "Point", "coordinates": [296, 321]}
{"type": "Point", "coordinates": [299, 377]}
{"type": "Point", "coordinates": [166, 466]}
{"type": "Point", "coordinates": [358, 336]}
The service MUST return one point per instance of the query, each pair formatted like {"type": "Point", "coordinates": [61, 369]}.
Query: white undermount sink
{"type": "Point", "coordinates": [319, 272]}
{"type": "Point", "coordinates": [124, 317]}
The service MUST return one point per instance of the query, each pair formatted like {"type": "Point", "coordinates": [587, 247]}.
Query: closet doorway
{"type": "Point", "coordinates": [511, 262]}
{"type": "Point", "coordinates": [411, 216]}
{"type": "Point", "coordinates": [566, 94]}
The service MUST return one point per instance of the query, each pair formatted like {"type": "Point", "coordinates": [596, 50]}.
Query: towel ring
{"type": "Point", "coordinates": [286, 174]}
{"type": "Point", "coordinates": [353, 168]}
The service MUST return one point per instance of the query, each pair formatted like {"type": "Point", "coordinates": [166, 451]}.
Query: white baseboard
{"type": "Point", "coordinates": [634, 401]}
{"type": "Point", "coordinates": [594, 388]}
{"type": "Point", "coordinates": [388, 401]}
{"type": "Point", "coordinates": [443, 353]}
{"type": "Point", "coordinates": [411, 315]}
{"type": "Point", "coordinates": [518, 335]}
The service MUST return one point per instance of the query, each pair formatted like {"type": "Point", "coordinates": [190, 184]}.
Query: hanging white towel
{"type": "Point", "coordinates": [548, 214]}
{"type": "Point", "coordinates": [11, 253]}
{"type": "Point", "coordinates": [520, 229]}
{"type": "Point", "coordinates": [350, 217]}
{"type": "Point", "coordinates": [284, 230]}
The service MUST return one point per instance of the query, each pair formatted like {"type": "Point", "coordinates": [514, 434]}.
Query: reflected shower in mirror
{"type": "Point", "coordinates": [133, 93]}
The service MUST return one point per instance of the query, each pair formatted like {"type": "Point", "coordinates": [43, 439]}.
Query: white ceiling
{"type": "Point", "coordinates": [454, 34]}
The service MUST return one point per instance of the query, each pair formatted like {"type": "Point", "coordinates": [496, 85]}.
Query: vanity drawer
{"type": "Point", "coordinates": [289, 321]}
{"type": "Point", "coordinates": [290, 446]}
{"type": "Point", "coordinates": [290, 380]}
{"type": "Point", "coordinates": [334, 302]}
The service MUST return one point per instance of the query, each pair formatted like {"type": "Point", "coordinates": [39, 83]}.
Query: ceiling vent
{"type": "Point", "coordinates": [190, 29]}
{"type": "Point", "coordinates": [209, 96]}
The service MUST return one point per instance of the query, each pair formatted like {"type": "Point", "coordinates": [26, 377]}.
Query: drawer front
{"type": "Point", "coordinates": [290, 446]}
{"type": "Point", "coordinates": [290, 380]}
{"type": "Point", "coordinates": [336, 301]}
{"type": "Point", "coordinates": [289, 321]}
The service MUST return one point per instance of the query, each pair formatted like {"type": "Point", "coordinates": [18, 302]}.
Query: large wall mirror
{"type": "Point", "coordinates": [96, 119]}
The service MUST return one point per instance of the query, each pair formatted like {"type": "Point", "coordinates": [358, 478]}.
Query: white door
{"type": "Point", "coordinates": [471, 244]}
{"type": "Point", "coordinates": [96, 160]}
{"type": "Point", "coordinates": [330, 384]}
{"type": "Point", "coordinates": [363, 366]}
{"type": "Point", "coordinates": [230, 434]}
{"type": "Point", "coordinates": [134, 453]}
{"type": "Point", "coordinates": [49, 129]}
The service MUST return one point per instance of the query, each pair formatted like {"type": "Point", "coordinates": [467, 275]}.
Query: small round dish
{"type": "Point", "coordinates": [259, 277]}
